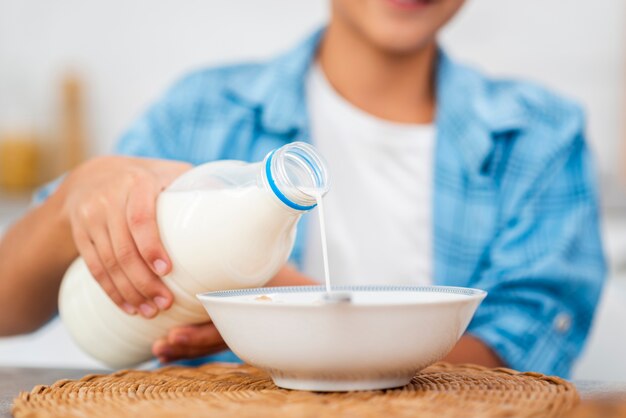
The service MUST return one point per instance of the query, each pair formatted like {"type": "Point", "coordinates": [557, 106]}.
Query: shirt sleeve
{"type": "Point", "coordinates": [158, 133]}
{"type": "Point", "coordinates": [42, 193]}
{"type": "Point", "coordinates": [545, 269]}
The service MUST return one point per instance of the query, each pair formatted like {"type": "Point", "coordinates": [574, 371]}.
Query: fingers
{"type": "Point", "coordinates": [201, 335]}
{"type": "Point", "coordinates": [97, 269]}
{"type": "Point", "coordinates": [142, 223]}
{"type": "Point", "coordinates": [111, 205]}
{"type": "Point", "coordinates": [101, 238]}
{"type": "Point", "coordinates": [145, 282]}
{"type": "Point", "coordinates": [189, 342]}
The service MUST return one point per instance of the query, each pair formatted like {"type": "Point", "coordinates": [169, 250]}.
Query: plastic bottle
{"type": "Point", "coordinates": [225, 225]}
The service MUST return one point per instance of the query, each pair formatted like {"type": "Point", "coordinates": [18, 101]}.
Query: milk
{"type": "Point", "coordinates": [320, 213]}
{"type": "Point", "coordinates": [222, 243]}
{"type": "Point", "coordinates": [225, 225]}
{"type": "Point", "coordinates": [214, 243]}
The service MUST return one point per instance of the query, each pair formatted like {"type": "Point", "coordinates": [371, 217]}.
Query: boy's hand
{"type": "Point", "coordinates": [193, 341]}
{"type": "Point", "coordinates": [189, 341]}
{"type": "Point", "coordinates": [110, 206]}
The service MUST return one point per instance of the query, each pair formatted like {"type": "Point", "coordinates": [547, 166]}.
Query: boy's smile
{"type": "Point", "coordinates": [410, 4]}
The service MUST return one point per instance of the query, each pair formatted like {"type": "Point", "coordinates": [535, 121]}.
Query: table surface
{"type": "Point", "coordinates": [18, 379]}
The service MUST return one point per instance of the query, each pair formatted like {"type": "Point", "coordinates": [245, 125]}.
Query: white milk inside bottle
{"type": "Point", "coordinates": [225, 225]}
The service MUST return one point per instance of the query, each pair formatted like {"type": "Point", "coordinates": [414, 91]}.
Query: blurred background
{"type": "Point", "coordinates": [74, 74]}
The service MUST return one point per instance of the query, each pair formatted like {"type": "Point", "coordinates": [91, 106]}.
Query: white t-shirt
{"type": "Point", "coordinates": [379, 208]}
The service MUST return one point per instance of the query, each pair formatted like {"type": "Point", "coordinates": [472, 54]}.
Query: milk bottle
{"type": "Point", "coordinates": [225, 225]}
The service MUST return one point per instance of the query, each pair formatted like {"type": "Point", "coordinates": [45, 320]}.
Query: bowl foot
{"type": "Point", "coordinates": [338, 385]}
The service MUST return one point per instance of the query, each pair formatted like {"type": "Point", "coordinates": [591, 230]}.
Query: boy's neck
{"type": "Point", "coordinates": [396, 87]}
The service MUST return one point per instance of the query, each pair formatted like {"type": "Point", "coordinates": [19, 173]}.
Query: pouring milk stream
{"type": "Point", "coordinates": [225, 225]}
{"type": "Point", "coordinates": [320, 210]}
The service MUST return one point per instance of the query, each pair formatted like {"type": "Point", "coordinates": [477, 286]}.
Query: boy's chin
{"type": "Point", "coordinates": [399, 42]}
{"type": "Point", "coordinates": [397, 26]}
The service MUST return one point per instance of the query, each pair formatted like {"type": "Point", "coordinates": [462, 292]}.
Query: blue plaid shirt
{"type": "Point", "coordinates": [515, 204]}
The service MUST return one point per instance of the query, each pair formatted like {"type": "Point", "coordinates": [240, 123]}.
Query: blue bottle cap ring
{"type": "Point", "coordinates": [276, 190]}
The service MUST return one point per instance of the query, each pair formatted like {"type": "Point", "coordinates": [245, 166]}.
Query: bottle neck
{"type": "Point", "coordinates": [297, 175]}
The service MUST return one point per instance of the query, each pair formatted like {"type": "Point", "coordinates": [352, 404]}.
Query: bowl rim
{"type": "Point", "coordinates": [233, 296]}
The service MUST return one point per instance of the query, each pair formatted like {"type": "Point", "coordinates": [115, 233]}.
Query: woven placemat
{"type": "Point", "coordinates": [222, 390]}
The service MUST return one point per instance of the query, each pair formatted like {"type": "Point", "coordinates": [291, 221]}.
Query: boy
{"type": "Point", "coordinates": [439, 176]}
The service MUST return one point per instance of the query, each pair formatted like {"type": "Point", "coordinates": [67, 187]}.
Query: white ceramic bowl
{"type": "Point", "coordinates": [379, 339]}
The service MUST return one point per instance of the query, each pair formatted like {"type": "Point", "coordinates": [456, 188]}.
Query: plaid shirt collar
{"type": "Point", "coordinates": [469, 110]}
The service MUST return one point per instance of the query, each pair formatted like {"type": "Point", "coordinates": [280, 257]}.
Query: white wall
{"type": "Point", "coordinates": [129, 51]}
